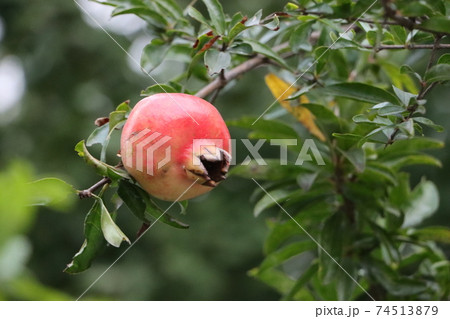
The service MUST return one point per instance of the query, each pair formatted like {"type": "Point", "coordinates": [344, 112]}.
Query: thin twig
{"type": "Point", "coordinates": [408, 23]}
{"type": "Point", "coordinates": [88, 192]}
{"type": "Point", "coordinates": [248, 65]}
{"type": "Point", "coordinates": [407, 47]}
{"type": "Point", "coordinates": [391, 18]}
{"type": "Point", "coordinates": [222, 83]}
{"type": "Point", "coordinates": [231, 75]}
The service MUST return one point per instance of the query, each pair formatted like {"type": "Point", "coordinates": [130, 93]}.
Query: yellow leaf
{"type": "Point", "coordinates": [281, 90]}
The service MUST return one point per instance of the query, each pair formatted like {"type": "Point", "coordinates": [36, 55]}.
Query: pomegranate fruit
{"type": "Point", "coordinates": [170, 141]}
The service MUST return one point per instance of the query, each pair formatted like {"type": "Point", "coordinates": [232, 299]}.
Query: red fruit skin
{"type": "Point", "coordinates": [184, 118]}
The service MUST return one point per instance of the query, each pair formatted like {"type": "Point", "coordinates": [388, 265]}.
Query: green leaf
{"type": "Point", "coordinates": [399, 194]}
{"type": "Point", "coordinates": [242, 49]}
{"type": "Point", "coordinates": [379, 172]}
{"type": "Point", "coordinates": [302, 281]}
{"type": "Point", "coordinates": [51, 192]}
{"type": "Point", "coordinates": [363, 118]}
{"type": "Point", "coordinates": [141, 205]}
{"type": "Point", "coordinates": [404, 97]}
{"type": "Point", "coordinates": [389, 251]}
{"type": "Point", "coordinates": [100, 167]}
{"type": "Point", "coordinates": [331, 241]}
{"type": "Point", "coordinates": [110, 230]}
{"type": "Point", "coordinates": [438, 6]}
{"type": "Point", "coordinates": [437, 23]}
{"type": "Point", "coordinates": [406, 69]}
{"type": "Point", "coordinates": [438, 73]}
{"type": "Point", "coordinates": [268, 52]}
{"type": "Point", "coordinates": [93, 242]}
{"type": "Point", "coordinates": [406, 147]}
{"type": "Point", "coordinates": [395, 285]}
{"type": "Point", "coordinates": [183, 206]}
{"type": "Point", "coordinates": [280, 256]}
{"type": "Point", "coordinates": [361, 92]}
{"type": "Point", "coordinates": [270, 128]}
{"type": "Point", "coordinates": [303, 90]}
{"type": "Point", "coordinates": [217, 61]}
{"type": "Point", "coordinates": [273, 171]}
{"type": "Point", "coordinates": [236, 30]}
{"type": "Point", "coordinates": [306, 180]}
{"type": "Point", "coordinates": [98, 136]}
{"type": "Point", "coordinates": [158, 88]}
{"type": "Point", "coordinates": [424, 201]}
{"type": "Point", "coordinates": [299, 38]}
{"type": "Point", "coordinates": [321, 55]}
{"type": "Point", "coordinates": [390, 109]}
{"type": "Point", "coordinates": [357, 157]}
{"type": "Point", "coordinates": [428, 122]}
{"type": "Point", "coordinates": [196, 15]}
{"type": "Point", "coordinates": [279, 233]}
{"type": "Point", "coordinates": [180, 53]}
{"type": "Point", "coordinates": [345, 282]}
{"type": "Point", "coordinates": [444, 59]}
{"type": "Point", "coordinates": [237, 17]}
{"type": "Point", "coordinates": [275, 279]}
{"type": "Point", "coordinates": [216, 14]}
{"type": "Point", "coordinates": [148, 14]}
{"type": "Point", "coordinates": [399, 34]}
{"type": "Point", "coordinates": [416, 9]}
{"type": "Point", "coordinates": [255, 20]}
{"type": "Point", "coordinates": [300, 199]}
{"type": "Point", "coordinates": [347, 140]}
{"type": "Point", "coordinates": [282, 231]}
{"type": "Point", "coordinates": [322, 113]}
{"type": "Point", "coordinates": [338, 64]}
{"type": "Point", "coordinates": [273, 24]}
{"type": "Point", "coordinates": [439, 234]}
{"type": "Point", "coordinates": [171, 7]}
{"type": "Point", "coordinates": [269, 200]}
{"type": "Point", "coordinates": [116, 118]}
{"type": "Point", "coordinates": [133, 200]}
{"type": "Point", "coordinates": [124, 106]}
{"type": "Point", "coordinates": [413, 159]}
{"type": "Point", "coordinates": [407, 127]}
{"type": "Point", "coordinates": [153, 54]}
{"type": "Point", "coordinates": [372, 37]}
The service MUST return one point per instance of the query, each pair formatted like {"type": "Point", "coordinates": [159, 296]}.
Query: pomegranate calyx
{"type": "Point", "coordinates": [211, 168]}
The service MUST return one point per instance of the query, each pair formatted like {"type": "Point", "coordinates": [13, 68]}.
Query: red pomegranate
{"type": "Point", "coordinates": [176, 146]}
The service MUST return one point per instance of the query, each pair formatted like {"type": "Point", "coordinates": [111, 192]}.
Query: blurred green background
{"type": "Point", "coordinates": [58, 73]}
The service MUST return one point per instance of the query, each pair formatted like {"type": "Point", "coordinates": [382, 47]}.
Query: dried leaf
{"type": "Point", "coordinates": [282, 90]}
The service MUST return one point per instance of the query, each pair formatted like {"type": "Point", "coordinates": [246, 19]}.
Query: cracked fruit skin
{"type": "Point", "coordinates": [176, 146]}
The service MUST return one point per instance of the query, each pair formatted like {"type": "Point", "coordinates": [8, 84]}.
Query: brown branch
{"type": "Point", "coordinates": [88, 192]}
{"type": "Point", "coordinates": [407, 47]}
{"type": "Point", "coordinates": [390, 14]}
{"type": "Point", "coordinates": [223, 79]}
{"type": "Point", "coordinates": [408, 23]}
{"type": "Point", "coordinates": [220, 82]}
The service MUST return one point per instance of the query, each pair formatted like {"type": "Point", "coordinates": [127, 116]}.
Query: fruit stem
{"type": "Point", "coordinates": [141, 231]}
{"type": "Point", "coordinates": [89, 192]}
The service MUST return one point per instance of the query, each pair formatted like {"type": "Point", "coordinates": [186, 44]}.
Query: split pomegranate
{"type": "Point", "coordinates": [176, 146]}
